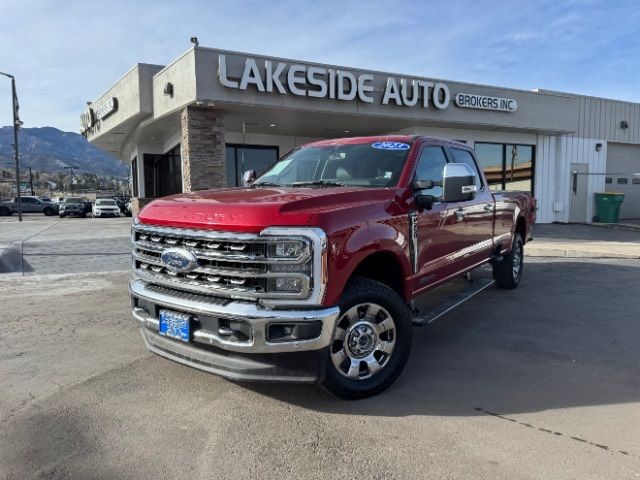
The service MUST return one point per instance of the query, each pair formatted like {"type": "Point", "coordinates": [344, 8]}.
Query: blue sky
{"type": "Point", "coordinates": [64, 53]}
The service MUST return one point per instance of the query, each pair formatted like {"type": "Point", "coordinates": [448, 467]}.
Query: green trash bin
{"type": "Point", "coordinates": [608, 206]}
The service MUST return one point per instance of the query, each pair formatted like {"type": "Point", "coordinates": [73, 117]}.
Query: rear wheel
{"type": "Point", "coordinates": [371, 340]}
{"type": "Point", "coordinates": [61, 215]}
{"type": "Point", "coordinates": [48, 212]}
{"type": "Point", "coordinates": [507, 272]}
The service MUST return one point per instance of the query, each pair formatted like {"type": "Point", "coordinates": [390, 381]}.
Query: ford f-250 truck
{"type": "Point", "coordinates": [309, 273]}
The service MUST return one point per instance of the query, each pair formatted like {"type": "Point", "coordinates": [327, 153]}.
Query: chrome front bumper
{"type": "Point", "coordinates": [211, 350]}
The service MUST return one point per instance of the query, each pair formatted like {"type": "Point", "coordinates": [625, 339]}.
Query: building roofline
{"type": "Point", "coordinates": [122, 77]}
{"type": "Point", "coordinates": [581, 95]}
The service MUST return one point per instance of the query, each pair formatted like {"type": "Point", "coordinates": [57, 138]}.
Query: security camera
{"type": "Point", "coordinates": [194, 40]}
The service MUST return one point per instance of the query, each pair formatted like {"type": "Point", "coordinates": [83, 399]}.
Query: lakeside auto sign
{"type": "Point", "coordinates": [91, 118]}
{"type": "Point", "coordinates": [321, 82]}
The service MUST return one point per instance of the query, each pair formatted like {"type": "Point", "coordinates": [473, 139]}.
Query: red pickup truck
{"type": "Point", "coordinates": [309, 272]}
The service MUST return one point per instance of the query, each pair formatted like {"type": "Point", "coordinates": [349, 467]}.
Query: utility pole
{"type": "Point", "coordinates": [31, 181]}
{"type": "Point", "coordinates": [16, 126]}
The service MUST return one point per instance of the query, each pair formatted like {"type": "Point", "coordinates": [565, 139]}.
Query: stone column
{"type": "Point", "coordinates": [204, 162]}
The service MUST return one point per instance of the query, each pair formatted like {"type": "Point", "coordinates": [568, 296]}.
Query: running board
{"type": "Point", "coordinates": [455, 300]}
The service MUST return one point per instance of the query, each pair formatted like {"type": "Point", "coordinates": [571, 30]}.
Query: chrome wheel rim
{"type": "Point", "coordinates": [363, 341]}
{"type": "Point", "coordinates": [517, 260]}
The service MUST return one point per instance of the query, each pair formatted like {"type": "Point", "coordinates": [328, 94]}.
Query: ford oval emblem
{"type": "Point", "coordinates": [178, 260]}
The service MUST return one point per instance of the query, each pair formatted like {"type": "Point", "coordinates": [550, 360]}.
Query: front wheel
{"type": "Point", "coordinates": [507, 272]}
{"type": "Point", "coordinates": [48, 212]}
{"type": "Point", "coordinates": [371, 340]}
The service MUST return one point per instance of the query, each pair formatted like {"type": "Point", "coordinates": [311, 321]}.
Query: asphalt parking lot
{"type": "Point", "coordinates": [542, 382]}
{"type": "Point", "coordinates": [50, 245]}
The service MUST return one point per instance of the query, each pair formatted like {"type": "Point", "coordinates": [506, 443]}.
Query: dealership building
{"type": "Point", "coordinates": [210, 115]}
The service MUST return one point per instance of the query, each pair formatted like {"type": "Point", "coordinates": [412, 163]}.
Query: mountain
{"type": "Point", "coordinates": [48, 149]}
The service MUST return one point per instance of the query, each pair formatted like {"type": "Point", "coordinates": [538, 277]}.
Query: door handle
{"type": "Point", "coordinates": [488, 207]}
{"type": "Point", "coordinates": [460, 214]}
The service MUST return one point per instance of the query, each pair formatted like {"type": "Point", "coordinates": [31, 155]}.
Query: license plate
{"type": "Point", "coordinates": [174, 325]}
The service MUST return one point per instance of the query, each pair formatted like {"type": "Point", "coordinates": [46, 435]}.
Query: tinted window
{"type": "Point", "coordinates": [490, 157]}
{"type": "Point", "coordinates": [431, 167]}
{"type": "Point", "coordinates": [463, 156]}
{"type": "Point", "coordinates": [28, 200]}
{"type": "Point", "coordinates": [240, 159]}
{"type": "Point", "coordinates": [506, 166]}
{"type": "Point", "coordinates": [518, 173]}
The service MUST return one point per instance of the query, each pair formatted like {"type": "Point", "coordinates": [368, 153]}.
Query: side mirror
{"type": "Point", "coordinates": [424, 201]}
{"type": "Point", "coordinates": [459, 183]}
{"type": "Point", "coordinates": [248, 177]}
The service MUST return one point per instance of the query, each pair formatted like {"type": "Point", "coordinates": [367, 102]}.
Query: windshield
{"type": "Point", "coordinates": [376, 164]}
{"type": "Point", "coordinates": [105, 203]}
{"type": "Point", "coordinates": [73, 200]}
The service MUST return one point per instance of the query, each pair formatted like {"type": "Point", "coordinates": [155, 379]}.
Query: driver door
{"type": "Point", "coordinates": [438, 231]}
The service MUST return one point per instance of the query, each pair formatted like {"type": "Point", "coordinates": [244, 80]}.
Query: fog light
{"type": "Point", "coordinates": [286, 284]}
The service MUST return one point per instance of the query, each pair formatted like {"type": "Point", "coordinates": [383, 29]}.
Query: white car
{"type": "Point", "coordinates": [106, 207]}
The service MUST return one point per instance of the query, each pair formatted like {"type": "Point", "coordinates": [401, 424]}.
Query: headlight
{"type": "Point", "coordinates": [286, 249]}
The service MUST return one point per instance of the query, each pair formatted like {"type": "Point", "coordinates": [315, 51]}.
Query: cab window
{"type": "Point", "coordinates": [431, 167]}
{"type": "Point", "coordinates": [464, 156]}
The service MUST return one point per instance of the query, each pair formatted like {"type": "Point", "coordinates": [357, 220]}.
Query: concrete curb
{"type": "Point", "coordinates": [11, 258]}
{"type": "Point", "coordinates": [570, 253]}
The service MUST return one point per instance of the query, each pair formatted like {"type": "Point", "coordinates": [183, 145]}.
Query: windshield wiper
{"type": "Point", "coordinates": [318, 183]}
{"type": "Point", "coordinates": [265, 184]}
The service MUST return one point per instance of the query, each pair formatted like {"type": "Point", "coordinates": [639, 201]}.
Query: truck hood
{"type": "Point", "coordinates": [252, 209]}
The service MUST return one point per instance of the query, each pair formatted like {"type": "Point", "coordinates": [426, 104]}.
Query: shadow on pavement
{"type": "Point", "coordinates": [568, 336]}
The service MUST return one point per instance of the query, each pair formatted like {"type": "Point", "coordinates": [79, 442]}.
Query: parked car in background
{"type": "Point", "coordinates": [106, 207]}
{"type": "Point", "coordinates": [28, 205]}
{"type": "Point", "coordinates": [121, 201]}
{"type": "Point", "coordinates": [73, 206]}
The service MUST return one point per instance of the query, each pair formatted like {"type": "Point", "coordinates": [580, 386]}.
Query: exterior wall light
{"type": "Point", "coordinates": [598, 147]}
{"type": "Point", "coordinates": [624, 124]}
{"type": "Point", "coordinates": [168, 89]}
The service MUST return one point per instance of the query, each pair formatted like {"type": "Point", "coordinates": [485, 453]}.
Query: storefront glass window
{"type": "Point", "coordinates": [241, 158]}
{"type": "Point", "coordinates": [507, 166]}
{"type": "Point", "coordinates": [490, 159]}
{"type": "Point", "coordinates": [163, 173]}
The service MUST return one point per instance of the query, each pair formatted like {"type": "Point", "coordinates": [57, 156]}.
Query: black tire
{"type": "Point", "coordinates": [61, 215]}
{"type": "Point", "coordinates": [507, 272]}
{"type": "Point", "coordinates": [48, 212]}
{"type": "Point", "coordinates": [363, 293]}
{"type": "Point", "coordinates": [5, 211]}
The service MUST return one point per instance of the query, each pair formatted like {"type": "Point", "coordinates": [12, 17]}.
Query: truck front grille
{"type": "Point", "coordinates": [228, 264]}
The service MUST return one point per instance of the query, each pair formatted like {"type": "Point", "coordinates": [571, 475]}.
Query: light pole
{"type": "Point", "coordinates": [16, 126]}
